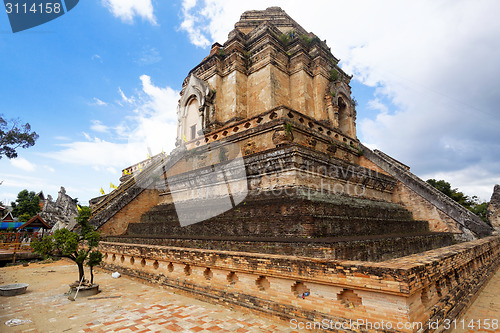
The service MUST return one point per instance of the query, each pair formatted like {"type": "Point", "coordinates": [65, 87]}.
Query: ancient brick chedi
{"type": "Point", "coordinates": [269, 201]}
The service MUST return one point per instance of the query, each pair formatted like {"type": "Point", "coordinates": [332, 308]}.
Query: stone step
{"type": "Point", "coordinates": [282, 227]}
{"type": "Point", "coordinates": [365, 248]}
{"type": "Point", "coordinates": [282, 217]}
{"type": "Point", "coordinates": [289, 206]}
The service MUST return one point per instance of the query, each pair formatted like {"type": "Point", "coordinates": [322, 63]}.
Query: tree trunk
{"type": "Point", "coordinates": [81, 272]}
{"type": "Point", "coordinates": [91, 275]}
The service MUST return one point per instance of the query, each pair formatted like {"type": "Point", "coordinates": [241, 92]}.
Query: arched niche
{"type": "Point", "coordinates": [195, 109]}
{"type": "Point", "coordinates": [192, 119]}
{"type": "Point", "coordinates": [346, 116]}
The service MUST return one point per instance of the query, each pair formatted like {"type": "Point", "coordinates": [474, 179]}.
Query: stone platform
{"type": "Point", "coordinates": [364, 248]}
{"type": "Point", "coordinates": [432, 285]}
{"type": "Point", "coordinates": [317, 226]}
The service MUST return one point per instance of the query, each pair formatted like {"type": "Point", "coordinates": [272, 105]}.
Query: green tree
{"type": "Point", "coordinates": [481, 209]}
{"type": "Point", "coordinates": [95, 258]}
{"type": "Point", "coordinates": [79, 246]}
{"type": "Point", "coordinates": [26, 206]}
{"type": "Point", "coordinates": [14, 136]}
{"type": "Point", "coordinates": [471, 203]}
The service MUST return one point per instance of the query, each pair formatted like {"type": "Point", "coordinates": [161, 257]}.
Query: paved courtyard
{"type": "Point", "coordinates": [128, 305]}
{"type": "Point", "coordinates": [486, 306]}
{"type": "Point", "coordinates": [124, 305]}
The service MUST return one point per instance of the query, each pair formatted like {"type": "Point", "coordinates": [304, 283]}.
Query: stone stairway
{"type": "Point", "coordinates": [338, 228]}
{"type": "Point", "coordinates": [466, 219]}
{"type": "Point", "coordinates": [131, 188]}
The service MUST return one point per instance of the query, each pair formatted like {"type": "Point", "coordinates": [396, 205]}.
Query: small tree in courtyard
{"type": "Point", "coordinates": [95, 258]}
{"type": "Point", "coordinates": [79, 246]}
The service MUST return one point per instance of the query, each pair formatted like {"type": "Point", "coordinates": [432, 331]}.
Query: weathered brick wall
{"type": "Point", "coordinates": [375, 248]}
{"type": "Point", "coordinates": [434, 284]}
{"type": "Point", "coordinates": [424, 210]}
{"type": "Point", "coordinates": [493, 212]}
{"type": "Point", "coordinates": [285, 215]}
{"type": "Point", "coordinates": [366, 163]}
{"type": "Point", "coordinates": [132, 212]}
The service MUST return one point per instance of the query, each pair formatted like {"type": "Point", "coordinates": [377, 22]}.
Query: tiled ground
{"type": "Point", "coordinates": [180, 318]}
{"type": "Point", "coordinates": [486, 306]}
{"type": "Point", "coordinates": [127, 305]}
{"type": "Point", "coordinates": [135, 306]}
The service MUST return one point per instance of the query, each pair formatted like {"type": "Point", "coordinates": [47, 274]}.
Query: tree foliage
{"type": "Point", "coordinates": [26, 206]}
{"type": "Point", "coordinates": [471, 203]}
{"type": "Point", "coordinates": [14, 136]}
{"type": "Point", "coordinates": [79, 246]}
{"type": "Point", "coordinates": [481, 209]}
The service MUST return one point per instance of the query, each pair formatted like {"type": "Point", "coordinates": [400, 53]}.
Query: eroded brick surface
{"type": "Point", "coordinates": [431, 285]}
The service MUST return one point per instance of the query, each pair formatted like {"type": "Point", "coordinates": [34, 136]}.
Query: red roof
{"type": "Point", "coordinates": [35, 222]}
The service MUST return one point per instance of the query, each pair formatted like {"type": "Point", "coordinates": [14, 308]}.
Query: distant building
{"type": "Point", "coordinates": [35, 224]}
{"type": "Point", "coordinates": [42, 198]}
{"type": "Point", "coordinates": [8, 221]}
{"type": "Point", "coordinates": [61, 213]}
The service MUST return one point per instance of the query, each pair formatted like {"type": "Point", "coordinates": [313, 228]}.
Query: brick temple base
{"type": "Point", "coordinates": [401, 295]}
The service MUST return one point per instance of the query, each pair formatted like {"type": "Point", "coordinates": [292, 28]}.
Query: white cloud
{"type": "Point", "coordinates": [376, 104]}
{"type": "Point", "coordinates": [112, 170]}
{"type": "Point", "coordinates": [22, 164]}
{"type": "Point", "coordinates": [98, 102]}
{"type": "Point", "coordinates": [149, 56]}
{"type": "Point", "coordinates": [97, 126]}
{"type": "Point", "coordinates": [151, 123]}
{"type": "Point", "coordinates": [7, 198]}
{"type": "Point", "coordinates": [97, 57]}
{"type": "Point", "coordinates": [436, 62]}
{"type": "Point", "coordinates": [88, 137]}
{"type": "Point", "coordinates": [32, 183]}
{"type": "Point", "coordinates": [62, 138]}
{"type": "Point", "coordinates": [126, 10]}
{"type": "Point", "coordinates": [49, 168]}
{"type": "Point", "coordinates": [125, 98]}
{"type": "Point", "coordinates": [194, 25]}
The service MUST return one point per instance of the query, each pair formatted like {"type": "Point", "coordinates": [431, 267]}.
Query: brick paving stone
{"type": "Point", "coordinates": [140, 307]}
{"type": "Point", "coordinates": [145, 308]}
{"type": "Point", "coordinates": [486, 306]}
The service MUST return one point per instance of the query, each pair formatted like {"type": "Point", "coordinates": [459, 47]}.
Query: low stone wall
{"type": "Point", "coordinates": [432, 285]}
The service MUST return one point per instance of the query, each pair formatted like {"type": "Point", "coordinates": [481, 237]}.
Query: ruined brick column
{"type": "Point", "coordinates": [494, 208]}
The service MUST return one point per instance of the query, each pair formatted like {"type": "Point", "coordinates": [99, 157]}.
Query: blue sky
{"type": "Point", "coordinates": [100, 84]}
